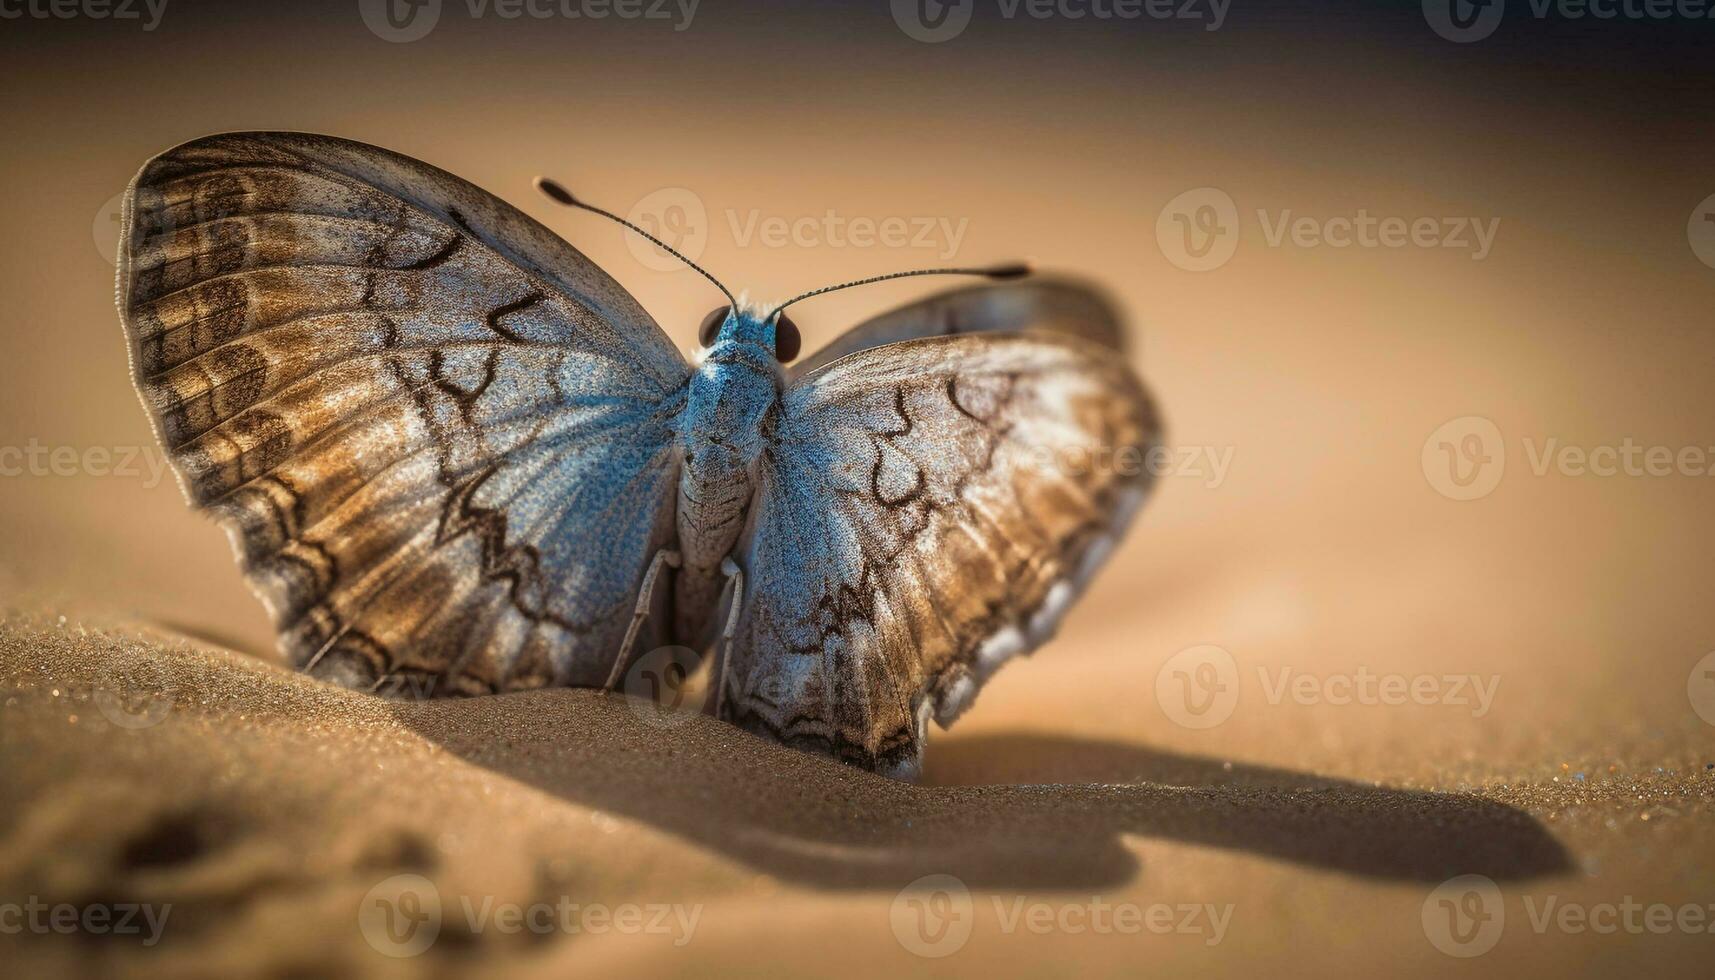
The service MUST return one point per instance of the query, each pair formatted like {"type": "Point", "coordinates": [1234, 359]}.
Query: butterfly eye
{"type": "Point", "coordinates": [711, 327]}
{"type": "Point", "coordinates": [787, 340]}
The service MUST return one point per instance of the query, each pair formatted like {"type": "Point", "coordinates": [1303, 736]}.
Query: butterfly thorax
{"type": "Point", "coordinates": [733, 392]}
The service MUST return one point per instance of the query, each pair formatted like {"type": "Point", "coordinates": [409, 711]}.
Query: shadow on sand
{"type": "Point", "coordinates": [998, 811]}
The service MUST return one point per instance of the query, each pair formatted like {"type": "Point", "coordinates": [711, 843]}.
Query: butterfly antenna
{"type": "Point", "coordinates": [560, 195]}
{"type": "Point", "coordinates": [1016, 270]}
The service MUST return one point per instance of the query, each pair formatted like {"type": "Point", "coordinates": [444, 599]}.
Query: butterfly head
{"type": "Point", "coordinates": [737, 383]}
{"type": "Point", "coordinates": [729, 329]}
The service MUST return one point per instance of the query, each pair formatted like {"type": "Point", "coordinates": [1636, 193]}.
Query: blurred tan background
{"type": "Point", "coordinates": [1326, 547]}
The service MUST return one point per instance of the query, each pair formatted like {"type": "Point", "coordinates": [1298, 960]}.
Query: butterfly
{"type": "Point", "coordinates": [448, 448]}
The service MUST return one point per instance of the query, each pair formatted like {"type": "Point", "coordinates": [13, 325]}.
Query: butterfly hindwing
{"type": "Point", "coordinates": [439, 436]}
{"type": "Point", "coordinates": [1042, 304]}
{"type": "Point", "coordinates": [928, 510]}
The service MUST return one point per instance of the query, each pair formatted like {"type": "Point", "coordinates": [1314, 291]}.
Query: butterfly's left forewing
{"type": "Point", "coordinates": [928, 510]}
{"type": "Point", "coordinates": [439, 436]}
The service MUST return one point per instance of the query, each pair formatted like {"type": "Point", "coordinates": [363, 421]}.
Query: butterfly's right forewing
{"type": "Point", "coordinates": [440, 437]}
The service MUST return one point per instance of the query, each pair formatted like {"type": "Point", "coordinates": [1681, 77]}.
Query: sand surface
{"type": "Point", "coordinates": [264, 808]}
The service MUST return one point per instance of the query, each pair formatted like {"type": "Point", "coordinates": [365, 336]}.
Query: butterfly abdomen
{"type": "Point", "coordinates": [720, 441]}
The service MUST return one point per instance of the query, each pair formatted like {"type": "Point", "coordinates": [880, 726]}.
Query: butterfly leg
{"type": "Point", "coordinates": [735, 575]}
{"type": "Point", "coordinates": [645, 595]}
